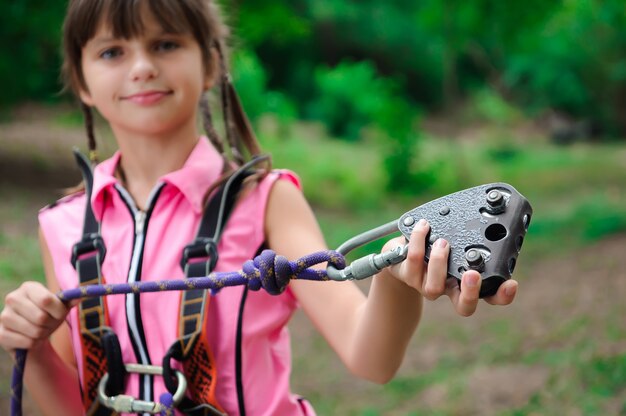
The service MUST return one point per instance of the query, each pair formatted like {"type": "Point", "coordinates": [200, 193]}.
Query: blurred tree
{"type": "Point", "coordinates": [564, 55]}
{"type": "Point", "coordinates": [29, 39]}
{"type": "Point", "coordinates": [577, 64]}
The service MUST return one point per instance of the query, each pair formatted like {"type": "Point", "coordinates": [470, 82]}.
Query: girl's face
{"type": "Point", "coordinates": [148, 85]}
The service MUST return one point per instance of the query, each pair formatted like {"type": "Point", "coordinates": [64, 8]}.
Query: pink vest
{"type": "Point", "coordinates": [148, 247]}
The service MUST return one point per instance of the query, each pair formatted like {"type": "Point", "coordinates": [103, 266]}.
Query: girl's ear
{"type": "Point", "coordinates": [211, 73]}
{"type": "Point", "coordinates": [85, 97]}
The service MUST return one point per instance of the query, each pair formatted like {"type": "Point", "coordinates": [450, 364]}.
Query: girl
{"type": "Point", "coordinates": [145, 66]}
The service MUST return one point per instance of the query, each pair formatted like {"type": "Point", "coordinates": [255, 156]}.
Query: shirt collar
{"type": "Point", "coordinates": [202, 168]}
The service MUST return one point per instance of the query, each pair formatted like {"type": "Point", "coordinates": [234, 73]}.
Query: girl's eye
{"type": "Point", "coordinates": [111, 53]}
{"type": "Point", "coordinates": [166, 45]}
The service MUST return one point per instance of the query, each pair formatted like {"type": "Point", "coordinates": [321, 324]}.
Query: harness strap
{"type": "Point", "coordinates": [199, 259]}
{"type": "Point", "coordinates": [99, 344]}
{"type": "Point", "coordinates": [87, 257]}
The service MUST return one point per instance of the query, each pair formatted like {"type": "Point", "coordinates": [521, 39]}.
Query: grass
{"type": "Point", "coordinates": [19, 261]}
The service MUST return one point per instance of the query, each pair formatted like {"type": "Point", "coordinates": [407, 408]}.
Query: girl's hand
{"type": "Point", "coordinates": [31, 314]}
{"type": "Point", "coordinates": [431, 279]}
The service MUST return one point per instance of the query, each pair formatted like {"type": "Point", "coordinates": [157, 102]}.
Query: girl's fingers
{"type": "Point", "coordinates": [412, 269]}
{"type": "Point", "coordinates": [31, 313]}
{"type": "Point", "coordinates": [432, 280]}
{"type": "Point", "coordinates": [49, 303]}
{"type": "Point", "coordinates": [436, 277]}
{"type": "Point", "coordinates": [37, 305]}
{"type": "Point", "coordinates": [16, 323]}
{"type": "Point", "coordinates": [467, 299]}
{"type": "Point", "coordinates": [13, 340]}
{"type": "Point", "coordinates": [505, 294]}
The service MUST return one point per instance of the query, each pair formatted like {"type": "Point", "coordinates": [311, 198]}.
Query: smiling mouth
{"type": "Point", "coordinates": [147, 97]}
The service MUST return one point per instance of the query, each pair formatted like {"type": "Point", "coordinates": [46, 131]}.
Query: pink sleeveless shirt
{"type": "Point", "coordinates": [148, 246]}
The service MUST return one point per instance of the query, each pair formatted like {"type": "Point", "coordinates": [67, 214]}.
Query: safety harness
{"type": "Point", "coordinates": [101, 349]}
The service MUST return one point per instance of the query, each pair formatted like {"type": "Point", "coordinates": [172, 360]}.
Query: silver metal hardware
{"type": "Point", "coordinates": [123, 403]}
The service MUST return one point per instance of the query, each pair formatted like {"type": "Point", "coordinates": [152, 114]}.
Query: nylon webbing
{"type": "Point", "coordinates": [198, 260]}
{"type": "Point", "coordinates": [87, 257]}
{"type": "Point", "coordinates": [200, 257]}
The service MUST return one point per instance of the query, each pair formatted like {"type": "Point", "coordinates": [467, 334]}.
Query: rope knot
{"type": "Point", "coordinates": [268, 271]}
{"type": "Point", "coordinates": [273, 272]}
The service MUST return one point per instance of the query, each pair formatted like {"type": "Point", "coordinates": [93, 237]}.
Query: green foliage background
{"type": "Point", "coordinates": [565, 55]}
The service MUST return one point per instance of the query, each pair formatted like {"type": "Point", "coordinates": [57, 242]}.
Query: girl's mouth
{"type": "Point", "coordinates": [147, 97]}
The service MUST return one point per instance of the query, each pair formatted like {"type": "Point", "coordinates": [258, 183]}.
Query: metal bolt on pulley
{"type": "Point", "coordinates": [496, 201]}
{"type": "Point", "coordinates": [475, 259]}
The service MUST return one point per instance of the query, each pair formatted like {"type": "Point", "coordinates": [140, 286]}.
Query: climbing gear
{"type": "Point", "coordinates": [485, 227]}
{"type": "Point", "coordinates": [268, 270]}
{"type": "Point", "coordinates": [191, 349]}
{"type": "Point", "coordinates": [123, 403]}
{"type": "Point", "coordinates": [199, 259]}
{"type": "Point", "coordinates": [87, 257]}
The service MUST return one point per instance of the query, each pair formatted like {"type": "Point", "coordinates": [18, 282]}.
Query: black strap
{"type": "Point", "coordinates": [200, 257]}
{"type": "Point", "coordinates": [214, 218]}
{"type": "Point", "coordinates": [239, 354]}
{"type": "Point", "coordinates": [115, 363]}
{"type": "Point", "coordinates": [87, 257]}
{"type": "Point", "coordinates": [90, 225]}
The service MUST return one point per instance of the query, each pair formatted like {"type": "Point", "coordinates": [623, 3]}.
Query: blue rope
{"type": "Point", "coordinates": [268, 271]}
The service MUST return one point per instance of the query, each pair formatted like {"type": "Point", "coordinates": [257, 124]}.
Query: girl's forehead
{"type": "Point", "coordinates": [146, 26]}
{"type": "Point", "coordinates": [142, 21]}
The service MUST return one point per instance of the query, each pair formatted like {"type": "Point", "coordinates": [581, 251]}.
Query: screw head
{"type": "Point", "coordinates": [408, 221]}
{"type": "Point", "coordinates": [444, 211]}
{"type": "Point", "coordinates": [474, 258]}
{"type": "Point", "coordinates": [495, 198]}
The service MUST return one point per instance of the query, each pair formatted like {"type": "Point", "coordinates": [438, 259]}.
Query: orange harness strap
{"type": "Point", "coordinates": [199, 259]}
{"type": "Point", "coordinates": [87, 257]}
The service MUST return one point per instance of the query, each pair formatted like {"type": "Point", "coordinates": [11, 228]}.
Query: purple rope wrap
{"type": "Point", "coordinates": [268, 271]}
{"type": "Point", "coordinates": [167, 401]}
{"type": "Point", "coordinates": [16, 382]}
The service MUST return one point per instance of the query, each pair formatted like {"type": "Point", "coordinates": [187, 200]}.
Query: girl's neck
{"type": "Point", "coordinates": [146, 158]}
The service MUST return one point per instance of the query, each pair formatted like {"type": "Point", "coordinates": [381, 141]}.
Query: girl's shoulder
{"type": "Point", "coordinates": [256, 196]}
{"type": "Point", "coordinates": [69, 202]}
{"type": "Point", "coordinates": [67, 212]}
{"type": "Point", "coordinates": [280, 174]}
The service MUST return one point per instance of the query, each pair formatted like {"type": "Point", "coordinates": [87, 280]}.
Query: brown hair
{"type": "Point", "coordinates": [201, 18]}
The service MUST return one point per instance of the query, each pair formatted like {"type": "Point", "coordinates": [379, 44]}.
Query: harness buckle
{"type": "Point", "coordinates": [201, 247]}
{"type": "Point", "coordinates": [123, 403]}
{"type": "Point", "coordinates": [90, 243]}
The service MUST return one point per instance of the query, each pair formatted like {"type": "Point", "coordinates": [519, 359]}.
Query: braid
{"type": "Point", "coordinates": [229, 127]}
{"type": "Point", "coordinates": [239, 132]}
{"type": "Point", "coordinates": [207, 123]}
{"type": "Point", "coordinates": [91, 139]}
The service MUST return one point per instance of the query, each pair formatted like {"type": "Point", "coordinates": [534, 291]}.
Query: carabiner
{"type": "Point", "coordinates": [123, 403]}
{"type": "Point", "coordinates": [373, 263]}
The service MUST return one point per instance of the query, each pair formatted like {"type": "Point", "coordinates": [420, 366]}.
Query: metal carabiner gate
{"type": "Point", "coordinates": [371, 264]}
{"type": "Point", "coordinates": [123, 403]}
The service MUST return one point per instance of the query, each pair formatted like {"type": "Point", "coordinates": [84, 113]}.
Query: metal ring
{"type": "Point", "coordinates": [128, 404]}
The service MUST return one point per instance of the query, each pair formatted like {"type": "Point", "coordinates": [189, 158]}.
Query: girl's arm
{"type": "Point", "coordinates": [34, 319]}
{"type": "Point", "coordinates": [370, 334]}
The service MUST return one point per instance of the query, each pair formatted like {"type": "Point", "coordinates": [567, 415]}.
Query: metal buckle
{"type": "Point", "coordinates": [124, 403]}
{"type": "Point", "coordinates": [89, 244]}
{"type": "Point", "coordinates": [201, 247]}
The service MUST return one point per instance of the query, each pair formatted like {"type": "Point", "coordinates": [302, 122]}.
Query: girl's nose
{"type": "Point", "coordinates": [143, 67]}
